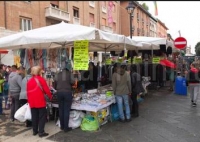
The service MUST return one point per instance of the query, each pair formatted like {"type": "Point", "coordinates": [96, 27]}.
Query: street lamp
{"type": "Point", "coordinates": [130, 8]}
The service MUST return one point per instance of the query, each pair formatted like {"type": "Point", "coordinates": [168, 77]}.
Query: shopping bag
{"type": "Point", "coordinates": [114, 112]}
{"type": "Point", "coordinates": [28, 113]}
{"type": "Point", "coordinates": [75, 118]}
{"type": "Point", "coordinates": [20, 113]}
{"type": "Point", "coordinates": [89, 123]}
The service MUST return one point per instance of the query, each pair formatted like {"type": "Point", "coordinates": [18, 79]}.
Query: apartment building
{"type": "Point", "coordinates": [144, 24]}
{"type": "Point", "coordinates": [19, 16]}
{"type": "Point", "coordinates": [161, 29]}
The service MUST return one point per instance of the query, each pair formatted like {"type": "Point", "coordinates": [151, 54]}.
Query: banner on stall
{"type": "Point", "coordinates": [108, 61]}
{"type": "Point", "coordinates": [156, 60]}
{"type": "Point", "coordinates": [137, 60]}
{"type": "Point", "coordinates": [81, 55]}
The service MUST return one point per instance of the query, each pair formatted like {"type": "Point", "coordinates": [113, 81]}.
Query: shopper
{"type": "Point", "coordinates": [23, 93]}
{"type": "Point", "coordinates": [121, 84]}
{"type": "Point", "coordinates": [36, 89]}
{"type": "Point", "coordinates": [6, 86]}
{"type": "Point", "coordinates": [137, 88]}
{"type": "Point", "coordinates": [193, 78]}
{"type": "Point", "coordinates": [1, 94]}
{"type": "Point", "coordinates": [14, 82]}
{"type": "Point", "coordinates": [63, 84]}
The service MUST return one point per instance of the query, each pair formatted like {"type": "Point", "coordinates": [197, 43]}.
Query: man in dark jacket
{"type": "Point", "coordinates": [137, 88]}
{"type": "Point", "coordinates": [193, 78]}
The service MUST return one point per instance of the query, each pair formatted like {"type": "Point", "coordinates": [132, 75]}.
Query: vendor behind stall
{"type": "Point", "coordinates": [92, 76]}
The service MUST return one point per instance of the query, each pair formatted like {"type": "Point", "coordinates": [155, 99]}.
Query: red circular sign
{"type": "Point", "coordinates": [180, 42]}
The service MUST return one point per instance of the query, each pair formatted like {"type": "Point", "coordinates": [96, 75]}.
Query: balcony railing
{"type": "Point", "coordinates": [107, 29]}
{"type": "Point", "coordinates": [92, 24]}
{"type": "Point", "coordinates": [104, 9]}
{"type": "Point", "coordinates": [92, 3]}
{"type": "Point", "coordinates": [57, 14]}
{"type": "Point", "coordinates": [76, 20]}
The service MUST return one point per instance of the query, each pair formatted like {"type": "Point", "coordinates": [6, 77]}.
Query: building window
{"type": "Point", "coordinates": [76, 12]}
{"type": "Point", "coordinates": [25, 24]}
{"type": "Point", "coordinates": [103, 22]}
{"type": "Point", "coordinates": [54, 4]}
{"type": "Point", "coordinates": [91, 15]}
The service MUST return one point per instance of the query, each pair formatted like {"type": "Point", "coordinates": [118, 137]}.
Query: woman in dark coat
{"type": "Point", "coordinates": [136, 83]}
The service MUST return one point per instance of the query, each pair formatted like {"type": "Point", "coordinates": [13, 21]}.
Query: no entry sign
{"type": "Point", "coordinates": [180, 42]}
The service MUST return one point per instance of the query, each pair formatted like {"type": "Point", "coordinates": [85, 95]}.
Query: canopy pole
{"type": "Point", "coordinates": [151, 51]}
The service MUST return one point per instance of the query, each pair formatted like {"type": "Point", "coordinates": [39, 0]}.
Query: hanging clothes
{"type": "Point", "coordinates": [26, 60]}
{"type": "Point", "coordinates": [53, 58]}
{"type": "Point", "coordinates": [22, 56]}
{"type": "Point", "coordinates": [30, 57]}
{"type": "Point", "coordinates": [40, 53]}
{"type": "Point", "coordinates": [17, 61]}
{"type": "Point", "coordinates": [44, 58]}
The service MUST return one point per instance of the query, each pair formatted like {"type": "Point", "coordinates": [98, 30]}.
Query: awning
{"type": "Point", "coordinates": [3, 51]}
{"type": "Point", "coordinates": [167, 63]}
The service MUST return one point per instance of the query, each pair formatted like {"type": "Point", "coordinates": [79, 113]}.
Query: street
{"type": "Point", "coordinates": [164, 117]}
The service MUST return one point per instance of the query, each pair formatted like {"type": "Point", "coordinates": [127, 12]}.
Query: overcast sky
{"type": "Point", "coordinates": [182, 15]}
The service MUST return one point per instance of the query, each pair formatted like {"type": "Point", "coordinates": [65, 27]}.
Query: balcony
{"type": "Point", "coordinates": [92, 3]}
{"type": "Point", "coordinates": [104, 9]}
{"type": "Point", "coordinates": [76, 21]}
{"type": "Point", "coordinates": [92, 24]}
{"type": "Point", "coordinates": [57, 14]}
{"type": "Point", "coordinates": [107, 29]}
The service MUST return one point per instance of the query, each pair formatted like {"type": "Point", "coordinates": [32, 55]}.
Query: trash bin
{"type": "Point", "coordinates": [180, 86]}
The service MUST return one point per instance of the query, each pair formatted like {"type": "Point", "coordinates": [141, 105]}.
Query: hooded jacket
{"type": "Point", "coordinates": [23, 93]}
{"type": "Point", "coordinates": [14, 82]}
{"type": "Point", "coordinates": [193, 76]}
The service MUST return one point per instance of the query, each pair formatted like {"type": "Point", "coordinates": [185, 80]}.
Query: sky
{"type": "Point", "coordinates": [179, 15]}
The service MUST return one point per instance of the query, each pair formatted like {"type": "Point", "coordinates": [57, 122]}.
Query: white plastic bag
{"type": "Point", "coordinates": [28, 113]}
{"type": "Point", "coordinates": [75, 119]}
{"type": "Point", "coordinates": [58, 123]}
{"type": "Point", "coordinates": [20, 113]}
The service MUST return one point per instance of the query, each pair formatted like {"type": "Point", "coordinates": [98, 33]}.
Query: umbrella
{"type": "Point", "coordinates": [167, 63]}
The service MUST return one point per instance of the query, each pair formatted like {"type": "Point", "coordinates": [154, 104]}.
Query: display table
{"type": "Point", "coordinates": [86, 107]}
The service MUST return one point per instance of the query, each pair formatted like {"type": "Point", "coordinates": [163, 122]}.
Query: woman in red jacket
{"type": "Point", "coordinates": [37, 88]}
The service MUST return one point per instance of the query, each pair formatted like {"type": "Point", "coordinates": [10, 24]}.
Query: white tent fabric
{"type": "Point", "coordinates": [64, 34]}
{"type": "Point", "coordinates": [149, 43]}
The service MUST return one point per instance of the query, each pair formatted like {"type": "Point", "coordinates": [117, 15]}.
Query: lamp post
{"type": "Point", "coordinates": [130, 8]}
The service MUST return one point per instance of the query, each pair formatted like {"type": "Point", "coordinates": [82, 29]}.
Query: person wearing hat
{"type": "Point", "coordinates": [63, 84]}
{"type": "Point", "coordinates": [121, 84]}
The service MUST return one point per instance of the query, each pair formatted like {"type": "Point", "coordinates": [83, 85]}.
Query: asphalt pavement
{"type": "Point", "coordinates": [164, 117]}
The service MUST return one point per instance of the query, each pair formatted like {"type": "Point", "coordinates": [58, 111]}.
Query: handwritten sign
{"type": "Point", "coordinates": [156, 60]}
{"type": "Point", "coordinates": [137, 60]}
{"type": "Point", "coordinates": [81, 56]}
{"type": "Point", "coordinates": [108, 61]}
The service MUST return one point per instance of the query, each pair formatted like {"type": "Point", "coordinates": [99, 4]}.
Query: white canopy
{"type": "Point", "coordinates": [64, 34]}
{"type": "Point", "coordinates": [148, 42]}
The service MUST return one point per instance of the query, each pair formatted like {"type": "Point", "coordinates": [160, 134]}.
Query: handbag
{"type": "Point", "coordinates": [38, 83]}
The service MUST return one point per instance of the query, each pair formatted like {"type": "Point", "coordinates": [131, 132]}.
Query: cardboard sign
{"type": "Point", "coordinates": [81, 56]}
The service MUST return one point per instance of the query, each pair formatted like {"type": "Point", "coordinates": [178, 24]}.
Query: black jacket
{"type": "Point", "coordinates": [193, 76]}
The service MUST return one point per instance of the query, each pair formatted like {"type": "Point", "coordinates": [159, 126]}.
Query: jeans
{"type": "Point", "coordinates": [194, 90]}
{"type": "Point", "coordinates": [1, 105]}
{"type": "Point", "coordinates": [39, 117]}
{"type": "Point", "coordinates": [65, 102]}
{"type": "Point", "coordinates": [15, 104]}
{"type": "Point", "coordinates": [123, 99]}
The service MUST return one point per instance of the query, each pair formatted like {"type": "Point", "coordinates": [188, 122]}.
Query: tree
{"type": "Point", "coordinates": [197, 49]}
{"type": "Point", "coordinates": [145, 6]}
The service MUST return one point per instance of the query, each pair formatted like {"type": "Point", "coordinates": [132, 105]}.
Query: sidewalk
{"type": "Point", "coordinates": [164, 117]}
